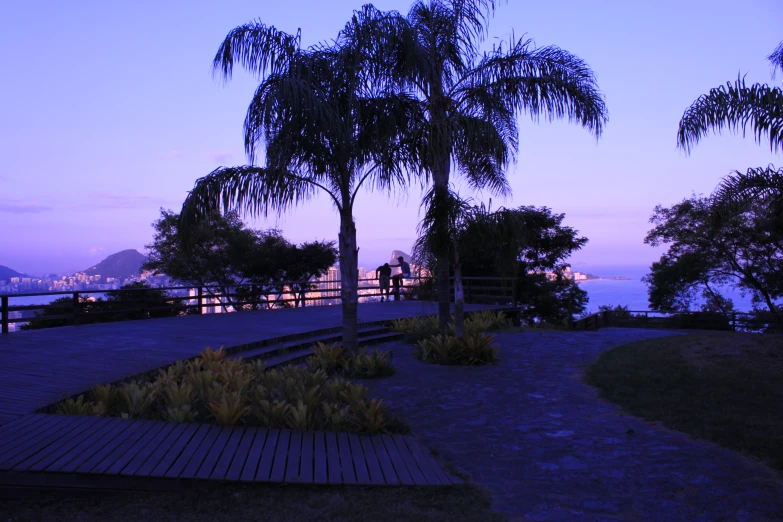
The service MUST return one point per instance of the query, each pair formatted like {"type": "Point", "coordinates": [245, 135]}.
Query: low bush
{"type": "Point", "coordinates": [418, 329]}
{"type": "Point", "coordinates": [335, 361]}
{"type": "Point", "coordinates": [471, 350]}
{"type": "Point", "coordinates": [214, 389]}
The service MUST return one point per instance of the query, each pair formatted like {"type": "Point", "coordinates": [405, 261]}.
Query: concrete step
{"type": "Point", "coordinates": [302, 353]}
{"type": "Point", "coordinates": [306, 343]}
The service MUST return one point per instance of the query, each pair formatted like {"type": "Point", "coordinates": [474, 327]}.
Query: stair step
{"type": "Point", "coordinates": [305, 352]}
{"type": "Point", "coordinates": [306, 343]}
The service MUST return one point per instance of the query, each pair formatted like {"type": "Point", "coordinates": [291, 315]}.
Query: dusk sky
{"type": "Point", "coordinates": [110, 111]}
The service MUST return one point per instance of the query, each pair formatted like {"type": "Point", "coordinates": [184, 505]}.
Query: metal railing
{"type": "Point", "coordinates": [683, 320]}
{"type": "Point", "coordinates": [83, 307]}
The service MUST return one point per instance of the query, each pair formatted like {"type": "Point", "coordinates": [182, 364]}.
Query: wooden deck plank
{"type": "Point", "coordinates": [200, 453]}
{"type": "Point", "coordinates": [135, 448]}
{"type": "Point", "coordinates": [41, 440]}
{"type": "Point", "coordinates": [396, 460]}
{"type": "Point", "coordinates": [164, 447]}
{"type": "Point", "coordinates": [51, 453]}
{"type": "Point", "coordinates": [333, 458]}
{"type": "Point", "coordinates": [373, 465]}
{"type": "Point", "coordinates": [85, 463]}
{"type": "Point", "coordinates": [178, 465]}
{"type": "Point", "coordinates": [205, 470]}
{"type": "Point", "coordinates": [165, 461]}
{"type": "Point", "coordinates": [254, 455]}
{"type": "Point", "coordinates": [407, 458]}
{"type": "Point", "coordinates": [346, 460]}
{"type": "Point", "coordinates": [306, 462]}
{"type": "Point", "coordinates": [9, 430]}
{"type": "Point", "coordinates": [267, 456]}
{"type": "Point", "coordinates": [436, 474]}
{"type": "Point", "coordinates": [25, 438]}
{"type": "Point", "coordinates": [320, 475]}
{"type": "Point", "coordinates": [389, 473]}
{"type": "Point", "coordinates": [359, 460]}
{"type": "Point", "coordinates": [106, 431]}
{"type": "Point", "coordinates": [294, 457]}
{"type": "Point", "coordinates": [148, 449]}
{"type": "Point", "coordinates": [281, 457]}
{"type": "Point", "coordinates": [229, 453]}
{"type": "Point", "coordinates": [242, 454]}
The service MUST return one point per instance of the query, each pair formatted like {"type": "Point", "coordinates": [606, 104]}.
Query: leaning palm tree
{"type": "Point", "coordinates": [326, 127]}
{"type": "Point", "coordinates": [472, 99]}
{"type": "Point", "coordinates": [736, 106]}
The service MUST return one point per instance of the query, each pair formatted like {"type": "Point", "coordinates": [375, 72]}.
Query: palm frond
{"type": "Point", "coordinates": [776, 59]}
{"type": "Point", "coordinates": [734, 107]}
{"type": "Point", "coordinates": [256, 47]}
{"type": "Point", "coordinates": [755, 185]}
{"type": "Point", "coordinates": [482, 154]}
{"type": "Point", "coordinates": [547, 81]}
{"type": "Point", "coordinates": [247, 189]}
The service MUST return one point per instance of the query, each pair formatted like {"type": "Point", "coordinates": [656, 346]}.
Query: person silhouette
{"type": "Point", "coordinates": [383, 273]}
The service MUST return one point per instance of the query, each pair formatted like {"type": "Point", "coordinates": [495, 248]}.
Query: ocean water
{"type": "Point", "coordinates": [633, 292]}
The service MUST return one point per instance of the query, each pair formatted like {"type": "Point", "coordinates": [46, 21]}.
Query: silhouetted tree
{"type": "Point", "coordinates": [472, 99]}
{"type": "Point", "coordinates": [327, 126]}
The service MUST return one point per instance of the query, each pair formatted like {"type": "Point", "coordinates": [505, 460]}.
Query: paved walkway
{"type": "Point", "coordinates": [548, 448]}
{"type": "Point", "coordinates": [39, 367]}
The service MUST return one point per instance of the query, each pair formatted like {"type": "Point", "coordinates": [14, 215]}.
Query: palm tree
{"type": "Point", "coordinates": [326, 127]}
{"type": "Point", "coordinates": [735, 107]}
{"type": "Point", "coordinates": [472, 99]}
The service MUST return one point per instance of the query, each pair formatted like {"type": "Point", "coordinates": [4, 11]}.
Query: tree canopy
{"type": "Point", "coordinates": [713, 245]}
{"type": "Point", "coordinates": [223, 252]}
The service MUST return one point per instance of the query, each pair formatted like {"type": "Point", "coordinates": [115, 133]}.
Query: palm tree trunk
{"type": "Point", "coordinates": [349, 277]}
{"type": "Point", "coordinates": [459, 298]}
{"type": "Point", "coordinates": [444, 307]}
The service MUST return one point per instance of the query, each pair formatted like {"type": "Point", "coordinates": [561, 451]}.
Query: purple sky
{"type": "Point", "coordinates": [109, 112]}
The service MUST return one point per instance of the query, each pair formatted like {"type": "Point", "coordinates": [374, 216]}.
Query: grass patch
{"type": "Point", "coordinates": [268, 503]}
{"type": "Point", "coordinates": [726, 388]}
{"type": "Point", "coordinates": [214, 389]}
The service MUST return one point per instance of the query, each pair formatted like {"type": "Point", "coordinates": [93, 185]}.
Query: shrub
{"type": "Point", "coordinates": [333, 360]}
{"type": "Point", "coordinates": [471, 350]}
{"type": "Point", "coordinates": [416, 328]}
{"type": "Point", "coordinates": [214, 389]}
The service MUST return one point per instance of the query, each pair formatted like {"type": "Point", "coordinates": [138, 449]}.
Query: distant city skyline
{"type": "Point", "coordinates": [105, 123]}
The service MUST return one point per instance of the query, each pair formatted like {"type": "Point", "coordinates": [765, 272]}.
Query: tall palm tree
{"type": "Point", "coordinates": [735, 107]}
{"type": "Point", "coordinates": [472, 99]}
{"type": "Point", "coordinates": [326, 127]}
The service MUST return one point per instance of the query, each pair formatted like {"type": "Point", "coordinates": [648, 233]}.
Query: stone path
{"type": "Point", "coordinates": [548, 448]}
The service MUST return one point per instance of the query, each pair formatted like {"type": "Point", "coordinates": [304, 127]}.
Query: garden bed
{"type": "Point", "coordinates": [215, 389]}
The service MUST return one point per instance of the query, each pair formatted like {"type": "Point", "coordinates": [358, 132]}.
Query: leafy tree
{"type": "Point", "coordinates": [472, 100]}
{"type": "Point", "coordinates": [134, 301]}
{"type": "Point", "coordinates": [520, 244]}
{"type": "Point", "coordinates": [223, 256]}
{"type": "Point", "coordinates": [326, 125]}
{"type": "Point", "coordinates": [710, 248]}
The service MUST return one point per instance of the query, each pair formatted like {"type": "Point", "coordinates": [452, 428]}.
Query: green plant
{"type": "Point", "coordinates": [471, 350]}
{"type": "Point", "coordinates": [229, 409]}
{"type": "Point", "coordinates": [76, 407]}
{"type": "Point", "coordinates": [371, 415]}
{"type": "Point", "coordinates": [364, 364]}
{"type": "Point", "coordinates": [106, 395]}
{"type": "Point", "coordinates": [327, 357]}
{"type": "Point", "coordinates": [180, 414]}
{"type": "Point", "coordinates": [138, 399]}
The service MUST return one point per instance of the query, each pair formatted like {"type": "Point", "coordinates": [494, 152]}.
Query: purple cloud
{"type": "Point", "coordinates": [19, 207]}
{"type": "Point", "coordinates": [218, 156]}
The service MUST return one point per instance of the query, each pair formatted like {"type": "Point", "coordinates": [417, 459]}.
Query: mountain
{"type": "Point", "coordinates": [397, 253]}
{"type": "Point", "coordinates": [7, 273]}
{"type": "Point", "coordinates": [121, 264]}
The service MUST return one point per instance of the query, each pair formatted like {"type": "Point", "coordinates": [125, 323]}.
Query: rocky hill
{"type": "Point", "coordinates": [7, 273]}
{"type": "Point", "coordinates": [122, 264]}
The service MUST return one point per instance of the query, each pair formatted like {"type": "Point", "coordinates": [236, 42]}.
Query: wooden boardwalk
{"type": "Point", "coordinates": [39, 367]}
{"type": "Point", "coordinates": [44, 449]}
